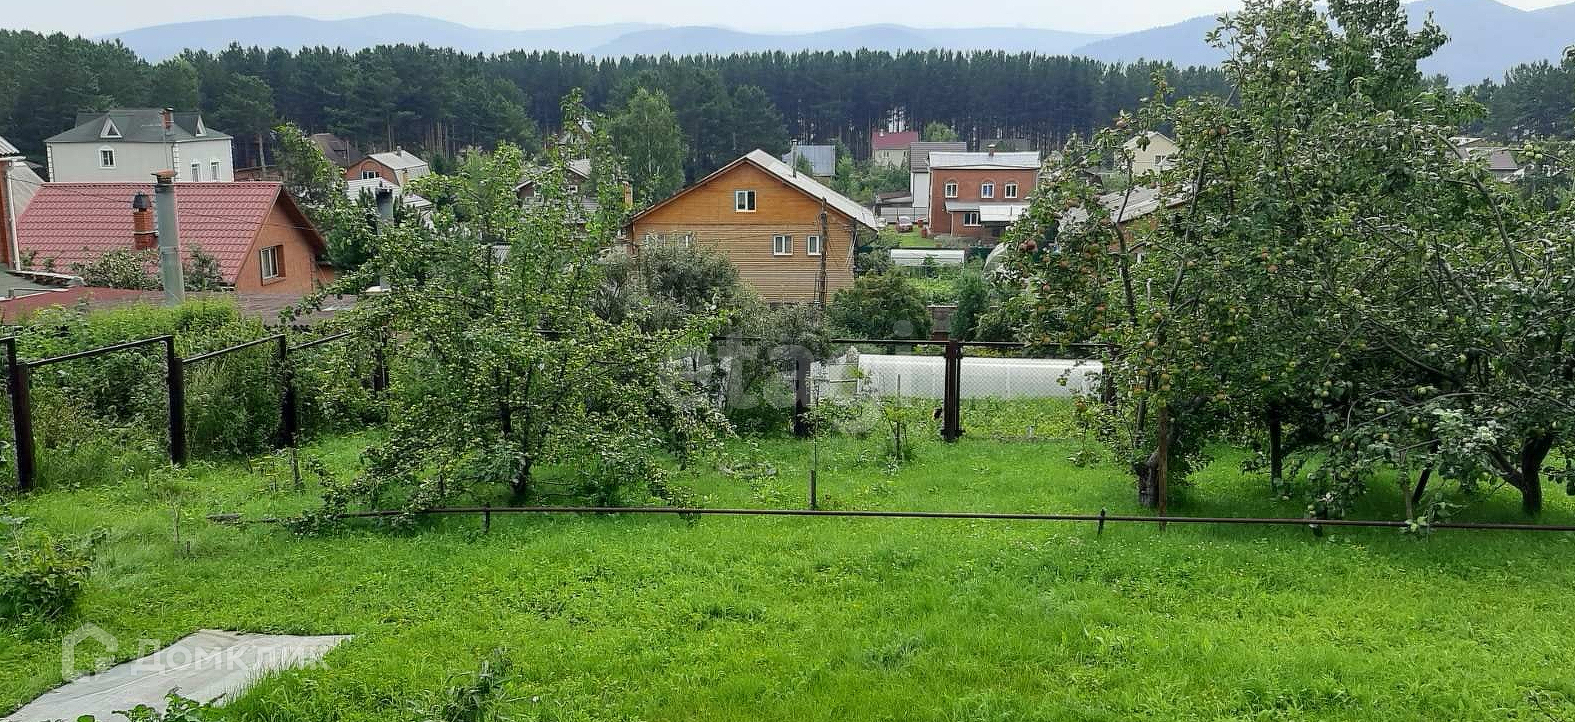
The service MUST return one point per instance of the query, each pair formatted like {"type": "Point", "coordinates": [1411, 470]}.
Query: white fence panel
{"type": "Point", "coordinates": [925, 377]}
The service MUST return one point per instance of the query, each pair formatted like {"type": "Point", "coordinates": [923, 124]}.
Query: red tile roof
{"type": "Point", "coordinates": [882, 140]}
{"type": "Point", "coordinates": [78, 222]}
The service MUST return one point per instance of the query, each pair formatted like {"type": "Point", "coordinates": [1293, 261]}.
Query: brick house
{"type": "Point", "coordinates": [767, 219]}
{"type": "Point", "coordinates": [399, 167]}
{"type": "Point", "coordinates": [261, 240]}
{"type": "Point", "coordinates": [977, 195]}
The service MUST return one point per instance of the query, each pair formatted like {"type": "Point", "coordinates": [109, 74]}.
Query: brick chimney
{"type": "Point", "coordinates": [144, 233]}
{"type": "Point", "coordinates": [991, 148]}
{"type": "Point", "coordinates": [168, 116]}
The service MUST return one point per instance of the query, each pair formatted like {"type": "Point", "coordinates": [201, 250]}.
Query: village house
{"type": "Point", "coordinates": [130, 145]}
{"type": "Point", "coordinates": [337, 150]}
{"type": "Point", "coordinates": [919, 172]}
{"type": "Point", "coordinates": [1159, 154]}
{"type": "Point", "coordinates": [791, 237]}
{"type": "Point", "coordinates": [890, 148]}
{"type": "Point", "coordinates": [398, 167]}
{"type": "Point", "coordinates": [977, 195]}
{"type": "Point", "coordinates": [18, 183]}
{"type": "Point", "coordinates": [822, 160]}
{"type": "Point", "coordinates": [259, 237]}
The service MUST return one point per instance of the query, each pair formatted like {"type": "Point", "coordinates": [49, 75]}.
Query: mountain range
{"type": "Point", "coordinates": [1486, 38]}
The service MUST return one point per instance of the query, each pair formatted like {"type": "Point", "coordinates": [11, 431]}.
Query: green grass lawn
{"type": "Point", "coordinates": [657, 618]}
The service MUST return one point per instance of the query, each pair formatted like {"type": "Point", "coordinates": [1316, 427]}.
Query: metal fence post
{"type": "Point", "coordinates": [380, 360]}
{"type": "Point", "coordinates": [177, 388]}
{"type": "Point", "coordinates": [951, 403]}
{"type": "Point", "coordinates": [17, 382]}
{"type": "Point", "coordinates": [801, 394]}
{"type": "Point", "coordinates": [288, 419]}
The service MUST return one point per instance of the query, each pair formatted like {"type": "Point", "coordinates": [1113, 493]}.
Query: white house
{"type": "Point", "coordinates": [129, 145]}
{"type": "Point", "coordinates": [1159, 154]}
{"type": "Point", "coordinates": [919, 171]}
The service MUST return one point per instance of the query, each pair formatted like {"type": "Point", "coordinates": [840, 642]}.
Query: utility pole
{"type": "Point", "coordinates": [825, 249]}
{"type": "Point", "coordinates": [170, 271]}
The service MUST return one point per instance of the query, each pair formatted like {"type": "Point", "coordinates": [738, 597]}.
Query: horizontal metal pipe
{"type": "Point", "coordinates": [236, 347]}
{"type": "Point", "coordinates": [97, 351]}
{"type": "Point", "coordinates": [1019, 516]}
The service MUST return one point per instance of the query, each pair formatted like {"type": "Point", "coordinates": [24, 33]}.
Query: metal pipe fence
{"type": "Point", "coordinates": [19, 390]}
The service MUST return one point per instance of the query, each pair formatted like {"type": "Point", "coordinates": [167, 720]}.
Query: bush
{"type": "Point", "coordinates": [42, 576]}
{"type": "Point", "coordinates": [882, 306]}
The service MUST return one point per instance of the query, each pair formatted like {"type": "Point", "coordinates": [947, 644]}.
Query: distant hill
{"type": "Point", "coordinates": [289, 31]}
{"type": "Point", "coordinates": [1486, 38]}
{"type": "Point", "coordinates": [722, 41]}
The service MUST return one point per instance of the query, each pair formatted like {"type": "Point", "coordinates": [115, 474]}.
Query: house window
{"type": "Point", "coordinates": [1010, 189]}
{"type": "Point", "coordinates": [812, 245]}
{"type": "Point", "coordinates": [970, 218]}
{"type": "Point", "coordinates": [951, 189]}
{"type": "Point", "coordinates": [986, 190]}
{"type": "Point", "coordinates": [781, 245]}
{"type": "Point", "coordinates": [744, 201]}
{"type": "Point", "coordinates": [368, 174]}
{"type": "Point", "coordinates": [573, 190]}
{"type": "Point", "coordinates": [196, 172]}
{"type": "Point", "coordinates": [269, 260]}
{"type": "Point", "coordinates": [106, 157]}
{"type": "Point", "coordinates": [1159, 160]}
{"type": "Point", "coordinates": [109, 131]}
{"type": "Point", "coordinates": [213, 170]}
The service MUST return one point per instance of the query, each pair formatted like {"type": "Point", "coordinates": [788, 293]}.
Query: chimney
{"type": "Point", "coordinates": [144, 234]}
{"type": "Point", "coordinates": [991, 148]}
{"type": "Point", "coordinates": [168, 116]}
{"type": "Point", "coordinates": [170, 272]}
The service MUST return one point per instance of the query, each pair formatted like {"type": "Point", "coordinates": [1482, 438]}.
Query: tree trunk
{"type": "Point", "coordinates": [1532, 454]}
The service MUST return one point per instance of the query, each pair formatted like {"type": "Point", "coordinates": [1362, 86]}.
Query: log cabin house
{"type": "Point", "coordinates": [791, 237]}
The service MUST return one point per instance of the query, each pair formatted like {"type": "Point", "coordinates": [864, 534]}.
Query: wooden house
{"type": "Point", "coordinates": [791, 237]}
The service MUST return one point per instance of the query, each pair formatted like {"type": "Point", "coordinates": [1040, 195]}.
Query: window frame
{"type": "Point", "coordinates": [1009, 190]}
{"type": "Point", "coordinates": [213, 169]}
{"type": "Point", "coordinates": [949, 189]}
{"type": "Point", "coordinates": [110, 130]}
{"type": "Point", "coordinates": [813, 245]}
{"type": "Point", "coordinates": [106, 152]}
{"type": "Point", "coordinates": [975, 223]}
{"type": "Point", "coordinates": [739, 201]}
{"type": "Point", "coordinates": [987, 190]}
{"type": "Point", "coordinates": [369, 174]}
{"type": "Point", "coordinates": [781, 244]}
{"type": "Point", "coordinates": [272, 256]}
{"type": "Point", "coordinates": [196, 171]}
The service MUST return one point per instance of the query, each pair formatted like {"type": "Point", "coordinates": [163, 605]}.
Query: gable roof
{"type": "Point", "coordinates": [919, 152]}
{"type": "Point", "coordinates": [886, 140]}
{"type": "Point", "coordinates": [7, 150]}
{"type": "Point", "coordinates": [339, 151]}
{"type": "Point", "coordinates": [137, 125]}
{"type": "Point", "coordinates": [79, 222]}
{"type": "Point", "coordinates": [398, 160]}
{"type": "Point", "coordinates": [1024, 160]}
{"type": "Point", "coordinates": [1153, 137]}
{"type": "Point", "coordinates": [822, 158]}
{"type": "Point", "coordinates": [784, 172]}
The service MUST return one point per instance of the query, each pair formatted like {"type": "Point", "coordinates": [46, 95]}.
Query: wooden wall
{"type": "Point", "coordinates": [707, 212]}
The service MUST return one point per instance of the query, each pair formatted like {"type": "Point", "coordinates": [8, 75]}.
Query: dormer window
{"type": "Point", "coordinates": [109, 130]}
{"type": "Point", "coordinates": [201, 129]}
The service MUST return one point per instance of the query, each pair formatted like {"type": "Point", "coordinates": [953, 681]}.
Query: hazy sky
{"type": "Point", "coordinates": [94, 17]}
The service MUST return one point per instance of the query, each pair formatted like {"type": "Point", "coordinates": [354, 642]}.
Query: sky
{"type": "Point", "coordinates": [97, 17]}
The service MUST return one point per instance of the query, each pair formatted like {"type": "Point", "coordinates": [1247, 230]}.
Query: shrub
{"type": "Point", "coordinates": [42, 576]}
{"type": "Point", "coordinates": [881, 306]}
